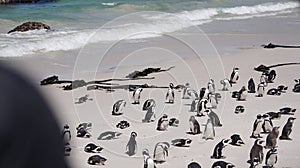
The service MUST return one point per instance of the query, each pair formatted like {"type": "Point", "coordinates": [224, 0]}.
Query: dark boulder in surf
{"type": "Point", "coordinates": [30, 26]}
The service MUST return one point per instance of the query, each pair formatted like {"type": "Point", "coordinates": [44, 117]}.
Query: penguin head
{"type": "Point", "coordinates": [192, 118]}
{"type": "Point", "coordinates": [145, 152]}
{"type": "Point", "coordinates": [133, 134]}
{"type": "Point", "coordinates": [259, 142]}
{"type": "Point", "coordinates": [273, 150]}
{"type": "Point", "coordinates": [171, 85]}
{"type": "Point", "coordinates": [188, 141]}
{"type": "Point", "coordinates": [259, 116]}
{"type": "Point", "coordinates": [229, 165]}
{"type": "Point", "coordinates": [66, 126]}
{"type": "Point", "coordinates": [291, 119]}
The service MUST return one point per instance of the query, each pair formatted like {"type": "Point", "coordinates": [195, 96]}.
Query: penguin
{"type": "Point", "coordinates": [85, 126]}
{"type": "Point", "coordinates": [161, 152]}
{"type": "Point", "coordinates": [236, 140]}
{"type": "Point", "coordinates": [148, 161]}
{"type": "Point", "coordinates": [287, 111]}
{"type": "Point", "coordinates": [256, 153]}
{"type": "Point", "coordinates": [239, 109]}
{"type": "Point", "coordinates": [217, 154]}
{"type": "Point", "coordinates": [234, 77]}
{"type": "Point", "coordinates": [194, 126]}
{"type": "Point", "coordinates": [149, 105]}
{"type": "Point", "coordinates": [83, 133]}
{"type": "Point", "coordinates": [251, 86]}
{"type": "Point", "coordinates": [267, 124]}
{"type": "Point", "coordinates": [193, 94]}
{"type": "Point", "coordinates": [214, 118]}
{"type": "Point", "coordinates": [271, 139]}
{"type": "Point", "coordinates": [66, 134]}
{"type": "Point", "coordinates": [271, 158]}
{"type": "Point", "coordinates": [257, 127]}
{"type": "Point", "coordinates": [260, 90]}
{"type": "Point", "coordinates": [263, 79]}
{"type": "Point", "coordinates": [226, 84]}
{"type": "Point", "coordinates": [274, 115]}
{"type": "Point", "coordinates": [271, 76]}
{"type": "Point", "coordinates": [67, 150]}
{"type": "Point", "coordinates": [109, 135]}
{"type": "Point", "coordinates": [181, 142]}
{"type": "Point", "coordinates": [163, 123]}
{"type": "Point", "coordinates": [118, 107]}
{"type": "Point", "coordinates": [194, 105]}
{"type": "Point", "coordinates": [174, 122]}
{"type": "Point", "coordinates": [137, 95]}
{"type": "Point", "coordinates": [186, 89]}
{"type": "Point", "coordinates": [96, 160]}
{"type": "Point", "coordinates": [287, 129]}
{"type": "Point", "coordinates": [123, 124]}
{"type": "Point", "coordinates": [211, 86]}
{"type": "Point", "coordinates": [203, 93]}
{"type": "Point", "coordinates": [92, 148]}
{"type": "Point", "coordinates": [170, 94]}
{"type": "Point", "coordinates": [201, 107]}
{"type": "Point", "coordinates": [222, 164]}
{"type": "Point", "coordinates": [242, 94]}
{"type": "Point", "coordinates": [194, 165]}
{"type": "Point", "coordinates": [209, 131]}
{"type": "Point", "coordinates": [131, 146]}
{"type": "Point", "coordinates": [212, 99]}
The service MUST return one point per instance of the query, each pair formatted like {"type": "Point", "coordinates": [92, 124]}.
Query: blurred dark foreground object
{"type": "Point", "coordinates": [30, 136]}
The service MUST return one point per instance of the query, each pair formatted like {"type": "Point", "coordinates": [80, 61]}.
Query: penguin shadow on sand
{"type": "Point", "coordinates": [109, 135]}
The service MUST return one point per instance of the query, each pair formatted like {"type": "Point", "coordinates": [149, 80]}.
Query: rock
{"type": "Point", "coordinates": [30, 26]}
{"type": "Point", "coordinates": [22, 1]}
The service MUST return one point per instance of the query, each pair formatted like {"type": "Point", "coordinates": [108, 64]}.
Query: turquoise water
{"type": "Point", "coordinates": [73, 21]}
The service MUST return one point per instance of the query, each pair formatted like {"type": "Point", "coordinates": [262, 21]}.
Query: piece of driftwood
{"type": "Point", "coordinates": [146, 72]}
{"type": "Point", "coordinates": [263, 68]}
{"type": "Point", "coordinates": [270, 46]}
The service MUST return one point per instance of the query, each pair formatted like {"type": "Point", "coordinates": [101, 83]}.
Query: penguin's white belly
{"type": "Point", "coordinates": [257, 131]}
{"type": "Point", "coordinates": [243, 95]}
{"type": "Point", "coordinates": [268, 126]}
{"type": "Point", "coordinates": [170, 95]}
{"type": "Point", "coordinates": [209, 132]}
{"type": "Point", "coordinates": [159, 154]}
{"type": "Point", "coordinates": [192, 128]}
{"type": "Point", "coordinates": [272, 160]}
{"type": "Point", "coordinates": [260, 90]}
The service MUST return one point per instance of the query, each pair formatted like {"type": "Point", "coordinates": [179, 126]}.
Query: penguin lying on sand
{"type": "Point", "coordinates": [181, 142]}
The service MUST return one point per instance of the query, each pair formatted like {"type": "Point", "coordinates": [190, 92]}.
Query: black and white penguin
{"type": "Point", "coordinates": [271, 76]}
{"type": "Point", "coordinates": [263, 79]}
{"type": "Point", "coordinates": [92, 148]}
{"type": "Point", "coordinates": [109, 135]}
{"type": "Point", "coordinates": [193, 94]}
{"type": "Point", "coordinates": [260, 90]}
{"type": "Point", "coordinates": [242, 94]}
{"type": "Point", "coordinates": [170, 94]}
{"type": "Point", "coordinates": [148, 161]}
{"type": "Point", "coordinates": [86, 126]}
{"type": "Point", "coordinates": [211, 86]}
{"type": "Point", "coordinates": [287, 129]}
{"type": "Point", "coordinates": [234, 77]}
{"type": "Point", "coordinates": [131, 146]}
{"type": "Point", "coordinates": [181, 142]}
{"type": "Point", "coordinates": [271, 139]}
{"type": "Point", "coordinates": [209, 130]}
{"type": "Point", "coordinates": [186, 89]}
{"type": "Point", "coordinates": [161, 152]}
{"type": "Point", "coordinates": [217, 154]}
{"type": "Point", "coordinates": [83, 133]}
{"type": "Point", "coordinates": [251, 86]}
{"type": "Point", "coordinates": [66, 134]}
{"type": "Point", "coordinates": [256, 153]}
{"type": "Point", "coordinates": [239, 109]}
{"type": "Point", "coordinates": [226, 84]}
{"type": "Point", "coordinates": [174, 122]}
{"type": "Point", "coordinates": [194, 165]}
{"type": "Point", "coordinates": [236, 140]}
{"type": "Point", "coordinates": [194, 105]}
{"type": "Point", "coordinates": [287, 111]}
{"type": "Point", "coordinates": [194, 126]}
{"type": "Point", "coordinates": [271, 158]}
{"type": "Point", "coordinates": [123, 124]}
{"type": "Point", "coordinates": [213, 100]}
{"type": "Point", "coordinates": [118, 107]}
{"type": "Point", "coordinates": [203, 93]}
{"type": "Point", "coordinates": [257, 127]}
{"type": "Point", "coordinates": [268, 124]}
{"type": "Point", "coordinates": [96, 160]}
{"type": "Point", "coordinates": [137, 95]}
{"type": "Point", "coordinates": [149, 106]}
{"type": "Point", "coordinates": [222, 164]}
{"type": "Point", "coordinates": [163, 123]}
{"type": "Point", "coordinates": [202, 106]}
{"type": "Point", "coordinates": [214, 118]}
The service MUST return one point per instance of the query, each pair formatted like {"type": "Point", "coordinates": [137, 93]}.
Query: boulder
{"type": "Point", "coordinates": [30, 26]}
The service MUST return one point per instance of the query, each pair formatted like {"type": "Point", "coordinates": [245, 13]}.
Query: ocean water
{"type": "Point", "coordinates": [74, 22]}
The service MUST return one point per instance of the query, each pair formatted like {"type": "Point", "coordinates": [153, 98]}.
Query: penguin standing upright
{"type": "Point", "coordinates": [268, 124]}
{"type": "Point", "coordinates": [256, 153]}
{"type": "Point", "coordinates": [201, 107]}
{"type": "Point", "coordinates": [213, 100]}
{"type": "Point", "coordinates": [234, 77]}
{"type": "Point", "coordinates": [131, 146]}
{"type": "Point", "coordinates": [271, 157]}
{"type": "Point", "coordinates": [66, 134]}
{"type": "Point", "coordinates": [194, 126]}
{"type": "Point", "coordinates": [161, 152]}
{"type": "Point", "coordinates": [203, 93]}
{"type": "Point", "coordinates": [214, 118]}
{"type": "Point", "coordinates": [263, 79]}
{"type": "Point", "coordinates": [170, 94]}
{"type": "Point", "coordinates": [149, 106]}
{"type": "Point", "coordinates": [271, 140]}
{"type": "Point", "coordinates": [257, 127]}
{"type": "Point", "coordinates": [211, 86]}
{"type": "Point", "coordinates": [209, 131]}
{"type": "Point", "coordinates": [137, 95]}
{"type": "Point", "coordinates": [118, 107]}
{"type": "Point", "coordinates": [260, 90]}
{"type": "Point", "coordinates": [287, 129]}
{"type": "Point", "coordinates": [163, 123]}
{"type": "Point", "coordinates": [242, 94]}
{"type": "Point", "coordinates": [217, 154]}
{"type": "Point", "coordinates": [226, 84]}
{"type": "Point", "coordinates": [148, 161]}
{"type": "Point", "coordinates": [251, 86]}
{"type": "Point", "coordinates": [185, 91]}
